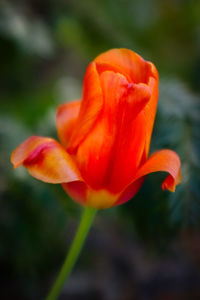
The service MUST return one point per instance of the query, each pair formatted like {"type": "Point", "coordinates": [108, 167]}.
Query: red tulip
{"type": "Point", "coordinates": [105, 137]}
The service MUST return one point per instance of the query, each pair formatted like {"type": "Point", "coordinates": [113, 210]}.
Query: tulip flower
{"type": "Point", "coordinates": [103, 155]}
{"type": "Point", "coordinates": [105, 137]}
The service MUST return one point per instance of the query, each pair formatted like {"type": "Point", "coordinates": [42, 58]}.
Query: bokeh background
{"type": "Point", "coordinates": [148, 248]}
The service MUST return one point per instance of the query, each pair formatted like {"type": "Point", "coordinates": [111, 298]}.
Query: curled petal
{"type": "Point", "coordinates": [66, 118]}
{"type": "Point", "coordinates": [45, 160]}
{"type": "Point", "coordinates": [166, 161]}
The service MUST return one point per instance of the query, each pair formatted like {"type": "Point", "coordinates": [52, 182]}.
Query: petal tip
{"type": "Point", "coordinates": [14, 160]}
{"type": "Point", "coordinates": [166, 186]}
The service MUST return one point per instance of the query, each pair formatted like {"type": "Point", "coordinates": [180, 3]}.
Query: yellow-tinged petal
{"type": "Point", "coordinates": [45, 160]}
{"type": "Point", "coordinates": [84, 195]}
{"type": "Point", "coordinates": [100, 199]}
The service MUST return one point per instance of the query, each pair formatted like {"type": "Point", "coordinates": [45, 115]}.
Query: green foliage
{"type": "Point", "coordinates": [179, 128]}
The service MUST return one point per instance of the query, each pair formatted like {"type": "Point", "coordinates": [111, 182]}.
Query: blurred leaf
{"type": "Point", "coordinates": [31, 34]}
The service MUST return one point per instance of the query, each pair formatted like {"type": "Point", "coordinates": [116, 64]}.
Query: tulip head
{"type": "Point", "coordinates": [105, 136]}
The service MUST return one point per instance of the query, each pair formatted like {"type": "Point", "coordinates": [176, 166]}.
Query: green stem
{"type": "Point", "coordinates": [74, 251]}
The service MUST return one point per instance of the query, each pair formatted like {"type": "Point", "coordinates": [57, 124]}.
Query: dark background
{"type": "Point", "coordinates": [148, 248]}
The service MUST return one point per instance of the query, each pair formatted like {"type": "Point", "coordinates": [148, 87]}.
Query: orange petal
{"type": "Point", "coordinates": [94, 153]}
{"type": "Point", "coordinates": [66, 118]}
{"type": "Point", "coordinates": [126, 62]}
{"type": "Point", "coordinates": [45, 160]}
{"type": "Point", "coordinates": [166, 161]}
{"type": "Point", "coordinates": [91, 106]}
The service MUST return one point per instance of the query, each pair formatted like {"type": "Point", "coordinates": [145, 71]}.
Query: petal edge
{"type": "Point", "coordinates": [166, 161]}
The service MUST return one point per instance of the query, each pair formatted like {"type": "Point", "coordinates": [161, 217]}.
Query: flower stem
{"type": "Point", "coordinates": [74, 251]}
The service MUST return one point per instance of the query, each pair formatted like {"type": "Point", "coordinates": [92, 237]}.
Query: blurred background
{"type": "Point", "coordinates": [148, 248]}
